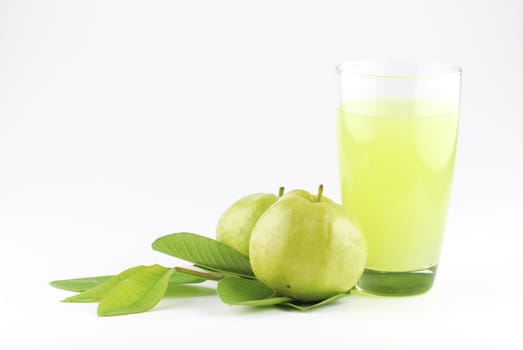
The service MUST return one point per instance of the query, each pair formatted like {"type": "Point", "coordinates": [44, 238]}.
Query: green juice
{"type": "Point", "coordinates": [396, 158]}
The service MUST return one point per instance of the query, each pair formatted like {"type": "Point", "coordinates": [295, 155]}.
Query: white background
{"type": "Point", "coordinates": [121, 121]}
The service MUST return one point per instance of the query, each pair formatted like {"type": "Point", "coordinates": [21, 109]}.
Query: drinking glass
{"type": "Point", "coordinates": [397, 126]}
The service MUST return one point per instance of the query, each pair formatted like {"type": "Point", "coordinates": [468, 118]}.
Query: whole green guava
{"type": "Point", "coordinates": [236, 223]}
{"type": "Point", "coordinates": [307, 247]}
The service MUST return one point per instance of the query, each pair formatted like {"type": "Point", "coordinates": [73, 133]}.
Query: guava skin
{"type": "Point", "coordinates": [236, 223]}
{"type": "Point", "coordinates": [307, 250]}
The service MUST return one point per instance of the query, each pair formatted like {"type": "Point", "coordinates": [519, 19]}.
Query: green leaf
{"type": "Point", "coordinates": [98, 292]}
{"type": "Point", "coordinates": [138, 293]}
{"type": "Point", "coordinates": [184, 278]}
{"type": "Point", "coordinates": [85, 283]}
{"type": "Point", "coordinates": [267, 301]}
{"type": "Point", "coordinates": [79, 284]}
{"type": "Point", "coordinates": [187, 291]}
{"type": "Point", "coordinates": [236, 290]}
{"type": "Point", "coordinates": [308, 306]}
{"type": "Point", "coordinates": [242, 291]}
{"type": "Point", "coordinates": [204, 252]}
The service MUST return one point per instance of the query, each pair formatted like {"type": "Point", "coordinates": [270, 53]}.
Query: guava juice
{"type": "Point", "coordinates": [396, 158]}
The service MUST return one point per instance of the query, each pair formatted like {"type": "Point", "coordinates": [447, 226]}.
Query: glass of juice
{"type": "Point", "coordinates": [397, 126]}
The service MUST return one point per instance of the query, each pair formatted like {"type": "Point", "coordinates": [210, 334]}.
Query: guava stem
{"type": "Point", "coordinates": [206, 275]}
{"type": "Point", "coordinates": [281, 191]}
{"type": "Point", "coordinates": [320, 193]}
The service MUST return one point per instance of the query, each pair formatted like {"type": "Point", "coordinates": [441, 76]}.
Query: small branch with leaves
{"type": "Point", "coordinates": [140, 288]}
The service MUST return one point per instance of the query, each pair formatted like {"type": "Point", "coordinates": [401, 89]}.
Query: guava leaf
{"type": "Point", "coordinates": [85, 283]}
{"type": "Point", "coordinates": [183, 278]}
{"type": "Point", "coordinates": [138, 293]}
{"type": "Point", "coordinates": [308, 306]}
{"type": "Point", "coordinates": [98, 292]}
{"type": "Point", "coordinates": [80, 284]}
{"type": "Point", "coordinates": [204, 252]}
{"type": "Point", "coordinates": [266, 302]}
{"type": "Point", "coordinates": [188, 291]}
{"type": "Point", "coordinates": [242, 291]}
{"type": "Point", "coordinates": [236, 290]}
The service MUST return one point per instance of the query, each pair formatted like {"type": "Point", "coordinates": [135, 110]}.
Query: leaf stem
{"type": "Point", "coordinates": [207, 275]}
{"type": "Point", "coordinates": [281, 191]}
{"type": "Point", "coordinates": [320, 193]}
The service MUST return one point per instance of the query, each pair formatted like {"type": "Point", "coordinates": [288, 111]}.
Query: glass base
{"type": "Point", "coordinates": [397, 283]}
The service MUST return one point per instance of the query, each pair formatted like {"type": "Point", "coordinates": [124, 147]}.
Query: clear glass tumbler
{"type": "Point", "coordinates": [397, 126]}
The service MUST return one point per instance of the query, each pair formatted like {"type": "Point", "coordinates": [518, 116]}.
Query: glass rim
{"type": "Point", "coordinates": [362, 69]}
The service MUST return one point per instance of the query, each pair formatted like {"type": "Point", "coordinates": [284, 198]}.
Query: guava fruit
{"type": "Point", "coordinates": [236, 223]}
{"type": "Point", "coordinates": [307, 247]}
